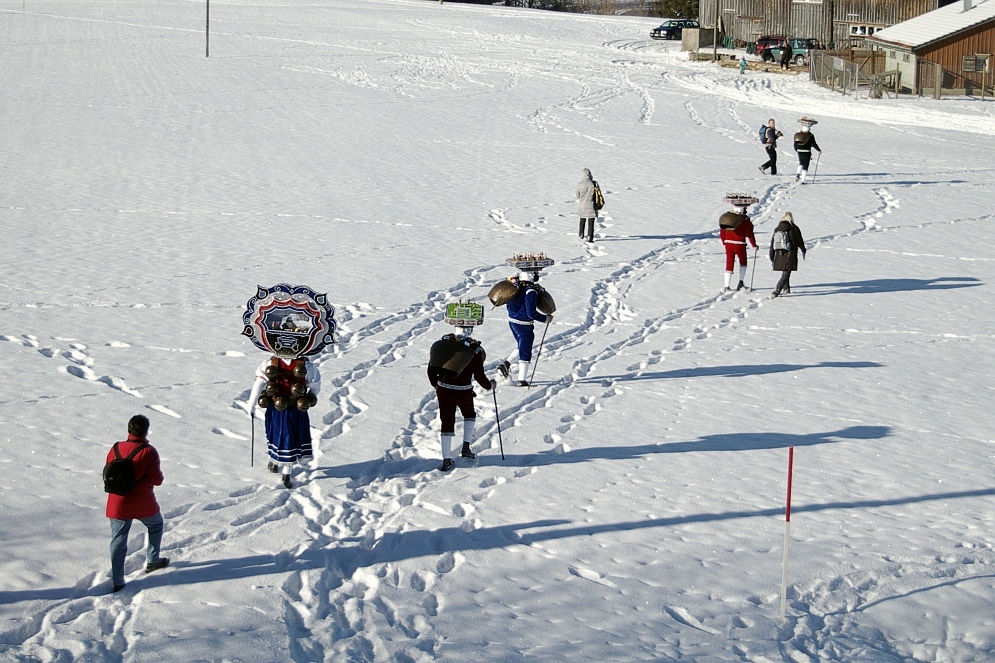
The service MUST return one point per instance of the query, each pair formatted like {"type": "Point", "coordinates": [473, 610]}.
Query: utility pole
{"type": "Point", "coordinates": [715, 34]}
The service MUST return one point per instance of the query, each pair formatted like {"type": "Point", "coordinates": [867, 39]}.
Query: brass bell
{"type": "Point", "coordinates": [264, 401]}
{"type": "Point", "coordinates": [271, 371]}
{"type": "Point", "coordinates": [300, 370]}
{"type": "Point", "coordinates": [299, 389]}
{"type": "Point", "coordinates": [272, 390]}
{"type": "Point", "coordinates": [312, 398]}
{"type": "Point", "coordinates": [303, 404]}
{"type": "Point", "coordinates": [280, 403]}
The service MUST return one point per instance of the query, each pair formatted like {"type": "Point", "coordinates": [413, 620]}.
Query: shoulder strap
{"type": "Point", "coordinates": [117, 454]}
{"type": "Point", "coordinates": [131, 456]}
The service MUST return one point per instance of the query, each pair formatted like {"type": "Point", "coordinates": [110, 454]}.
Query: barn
{"type": "Point", "coordinates": [829, 21]}
{"type": "Point", "coordinates": [945, 51]}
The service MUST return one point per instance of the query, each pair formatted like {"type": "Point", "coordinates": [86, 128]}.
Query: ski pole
{"type": "Point", "coordinates": [756, 250]}
{"type": "Point", "coordinates": [815, 171]}
{"type": "Point", "coordinates": [497, 419]}
{"type": "Point", "coordinates": [252, 444]}
{"type": "Point", "coordinates": [538, 354]}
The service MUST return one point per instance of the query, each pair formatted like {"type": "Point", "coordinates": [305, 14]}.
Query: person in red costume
{"type": "Point", "coordinates": [735, 228]}
{"type": "Point", "coordinates": [137, 504]}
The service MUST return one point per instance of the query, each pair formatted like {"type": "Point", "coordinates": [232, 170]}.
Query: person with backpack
{"type": "Point", "coordinates": [522, 316]}
{"type": "Point", "coordinates": [785, 243]}
{"type": "Point", "coordinates": [590, 200]}
{"type": "Point", "coordinates": [768, 136]}
{"type": "Point", "coordinates": [130, 474]}
{"type": "Point", "coordinates": [804, 144]}
{"type": "Point", "coordinates": [455, 361]}
{"type": "Point", "coordinates": [735, 228]}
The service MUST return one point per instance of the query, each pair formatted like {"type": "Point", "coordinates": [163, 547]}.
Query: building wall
{"type": "Point", "coordinates": [905, 62]}
{"type": "Point", "coordinates": [950, 52]}
{"type": "Point", "coordinates": [827, 20]}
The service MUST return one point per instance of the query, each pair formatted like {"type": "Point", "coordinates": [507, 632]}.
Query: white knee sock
{"type": "Point", "coordinates": [513, 356]}
{"type": "Point", "coordinates": [742, 272]}
{"type": "Point", "coordinates": [804, 175]}
{"type": "Point", "coordinates": [285, 468]}
{"type": "Point", "coordinates": [523, 370]}
{"type": "Point", "coordinates": [728, 278]}
{"type": "Point", "coordinates": [468, 425]}
{"type": "Point", "coordinates": [447, 445]}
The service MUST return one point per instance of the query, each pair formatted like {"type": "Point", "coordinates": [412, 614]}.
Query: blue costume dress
{"type": "Point", "coordinates": [522, 315]}
{"type": "Point", "coordinates": [288, 431]}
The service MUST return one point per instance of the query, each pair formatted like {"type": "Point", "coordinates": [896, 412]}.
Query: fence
{"type": "Point", "coordinates": [850, 70]}
{"type": "Point", "coordinates": [932, 79]}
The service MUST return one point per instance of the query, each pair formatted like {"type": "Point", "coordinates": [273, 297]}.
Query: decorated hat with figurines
{"type": "Point", "coordinates": [806, 121]}
{"type": "Point", "coordinates": [741, 199]}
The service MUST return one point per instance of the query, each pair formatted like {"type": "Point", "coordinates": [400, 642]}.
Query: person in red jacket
{"type": "Point", "coordinates": [735, 228]}
{"type": "Point", "coordinates": [138, 503]}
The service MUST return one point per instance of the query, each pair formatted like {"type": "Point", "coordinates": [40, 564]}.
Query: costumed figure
{"type": "Point", "coordinates": [455, 361]}
{"type": "Point", "coordinates": [735, 228]}
{"type": "Point", "coordinates": [804, 144]}
{"type": "Point", "coordinates": [292, 323]}
{"type": "Point", "coordinates": [527, 303]}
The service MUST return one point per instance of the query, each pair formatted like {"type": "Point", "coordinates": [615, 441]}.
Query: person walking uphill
{"type": "Point", "coordinates": [589, 203]}
{"type": "Point", "coordinates": [785, 243]}
{"type": "Point", "coordinates": [522, 316]}
{"type": "Point", "coordinates": [456, 360]}
{"type": "Point", "coordinates": [735, 228]}
{"type": "Point", "coordinates": [137, 503]}
{"type": "Point", "coordinates": [771, 134]}
{"type": "Point", "coordinates": [804, 144]}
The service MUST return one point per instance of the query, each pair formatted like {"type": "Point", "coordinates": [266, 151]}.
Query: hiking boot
{"type": "Point", "coordinates": [466, 452]}
{"type": "Point", "coordinates": [155, 566]}
{"type": "Point", "coordinates": [504, 368]}
{"type": "Point", "coordinates": [797, 177]}
{"type": "Point", "coordinates": [117, 588]}
{"type": "Point", "coordinates": [787, 289]}
{"type": "Point", "coordinates": [286, 481]}
{"type": "Point", "coordinates": [774, 295]}
{"type": "Point", "coordinates": [762, 169]}
{"type": "Point", "coordinates": [272, 467]}
{"type": "Point", "coordinates": [447, 465]}
{"type": "Point", "coordinates": [522, 383]}
{"type": "Point", "coordinates": [741, 286]}
{"type": "Point", "coordinates": [727, 289]}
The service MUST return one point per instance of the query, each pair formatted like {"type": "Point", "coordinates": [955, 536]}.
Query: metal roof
{"type": "Point", "coordinates": [937, 24]}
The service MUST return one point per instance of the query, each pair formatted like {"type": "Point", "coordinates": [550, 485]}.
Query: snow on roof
{"type": "Point", "coordinates": [937, 24]}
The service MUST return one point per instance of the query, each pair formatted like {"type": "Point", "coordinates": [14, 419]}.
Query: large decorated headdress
{"type": "Point", "coordinates": [289, 321]}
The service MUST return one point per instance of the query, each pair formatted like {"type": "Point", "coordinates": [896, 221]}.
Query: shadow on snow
{"type": "Point", "coordinates": [736, 371]}
{"type": "Point", "coordinates": [887, 285]}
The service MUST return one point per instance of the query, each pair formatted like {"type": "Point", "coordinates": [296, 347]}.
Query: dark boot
{"type": "Point", "coordinates": [504, 368]}
{"type": "Point", "coordinates": [447, 465]}
{"type": "Point", "coordinates": [286, 481]}
{"type": "Point", "coordinates": [466, 452]}
{"type": "Point", "coordinates": [155, 566]}
{"type": "Point", "coordinates": [272, 467]}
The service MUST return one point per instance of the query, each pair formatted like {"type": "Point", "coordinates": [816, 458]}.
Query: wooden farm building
{"type": "Point", "coordinates": [829, 21]}
{"type": "Point", "coordinates": [952, 46]}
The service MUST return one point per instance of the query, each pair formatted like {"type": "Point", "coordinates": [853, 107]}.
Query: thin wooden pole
{"type": "Point", "coordinates": [787, 536]}
{"type": "Point", "coordinates": [207, 31]}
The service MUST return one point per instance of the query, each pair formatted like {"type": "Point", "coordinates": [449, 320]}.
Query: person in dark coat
{"type": "Point", "coordinates": [771, 134]}
{"type": "Point", "coordinates": [137, 504]}
{"type": "Point", "coordinates": [804, 144]}
{"type": "Point", "coordinates": [786, 55]}
{"type": "Point", "coordinates": [785, 260]}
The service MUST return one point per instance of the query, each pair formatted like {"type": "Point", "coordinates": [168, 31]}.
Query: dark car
{"type": "Point", "coordinates": [800, 49]}
{"type": "Point", "coordinates": [672, 29]}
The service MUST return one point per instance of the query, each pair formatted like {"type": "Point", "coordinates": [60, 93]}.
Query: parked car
{"type": "Point", "coordinates": [672, 29]}
{"type": "Point", "coordinates": [800, 49]}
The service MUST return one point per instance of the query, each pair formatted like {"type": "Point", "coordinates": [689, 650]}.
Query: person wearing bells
{"type": "Point", "coordinates": [286, 389]}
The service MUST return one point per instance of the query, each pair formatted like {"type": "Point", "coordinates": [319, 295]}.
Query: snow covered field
{"type": "Point", "coordinates": [393, 154]}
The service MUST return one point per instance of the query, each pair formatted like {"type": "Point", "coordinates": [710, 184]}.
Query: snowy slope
{"type": "Point", "coordinates": [393, 154]}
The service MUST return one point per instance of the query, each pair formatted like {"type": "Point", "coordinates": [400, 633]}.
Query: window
{"type": "Point", "coordinates": [905, 57]}
{"type": "Point", "coordinates": [891, 55]}
{"type": "Point", "coordinates": [857, 30]}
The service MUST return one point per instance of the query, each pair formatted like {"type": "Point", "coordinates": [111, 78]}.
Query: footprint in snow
{"type": "Point", "coordinates": [589, 574]}
{"type": "Point", "coordinates": [227, 433]}
{"type": "Point", "coordinates": [162, 409]}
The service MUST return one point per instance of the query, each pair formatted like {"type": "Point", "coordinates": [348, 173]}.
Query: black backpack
{"type": "Point", "coordinates": [119, 474]}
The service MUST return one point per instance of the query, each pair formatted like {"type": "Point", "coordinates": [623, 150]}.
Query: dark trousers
{"type": "Point", "coordinates": [804, 159]}
{"type": "Point", "coordinates": [449, 400]}
{"type": "Point", "coordinates": [771, 159]}
{"type": "Point", "coordinates": [590, 229]}
{"type": "Point", "coordinates": [784, 284]}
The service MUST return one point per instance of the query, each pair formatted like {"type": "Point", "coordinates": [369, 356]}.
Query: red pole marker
{"type": "Point", "coordinates": [787, 535]}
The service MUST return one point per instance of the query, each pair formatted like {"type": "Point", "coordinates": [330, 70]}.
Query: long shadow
{"type": "Point", "coordinates": [735, 371]}
{"type": "Point", "coordinates": [688, 238]}
{"type": "Point", "coordinates": [878, 286]}
{"type": "Point", "coordinates": [365, 472]}
{"type": "Point", "coordinates": [342, 561]}
{"type": "Point", "coordinates": [883, 183]}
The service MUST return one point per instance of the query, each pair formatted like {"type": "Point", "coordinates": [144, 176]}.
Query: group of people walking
{"type": "Point", "coordinates": [804, 143]}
